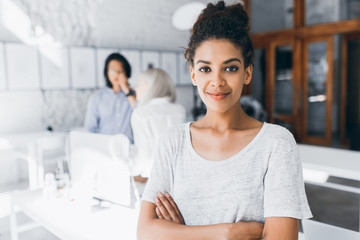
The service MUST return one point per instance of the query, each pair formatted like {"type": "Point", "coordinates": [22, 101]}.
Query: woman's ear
{"type": "Point", "coordinates": [248, 74]}
{"type": "Point", "coordinates": [192, 73]}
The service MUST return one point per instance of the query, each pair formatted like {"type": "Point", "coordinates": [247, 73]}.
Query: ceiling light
{"type": "Point", "coordinates": [185, 16]}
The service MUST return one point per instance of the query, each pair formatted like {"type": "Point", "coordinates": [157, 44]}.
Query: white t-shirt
{"type": "Point", "coordinates": [263, 180]}
{"type": "Point", "coordinates": [149, 122]}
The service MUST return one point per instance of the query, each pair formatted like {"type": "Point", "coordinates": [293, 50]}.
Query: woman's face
{"type": "Point", "coordinates": [115, 68]}
{"type": "Point", "coordinates": [219, 74]}
{"type": "Point", "coordinates": [141, 89]}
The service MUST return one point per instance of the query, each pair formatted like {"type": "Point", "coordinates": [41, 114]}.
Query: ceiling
{"type": "Point", "coordinates": [137, 24]}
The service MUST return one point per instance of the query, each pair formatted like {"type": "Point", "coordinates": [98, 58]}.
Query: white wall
{"type": "Point", "coordinates": [20, 111]}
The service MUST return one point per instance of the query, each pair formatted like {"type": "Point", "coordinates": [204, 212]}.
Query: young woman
{"type": "Point", "coordinates": [156, 111]}
{"type": "Point", "coordinates": [109, 110]}
{"type": "Point", "coordinates": [225, 176]}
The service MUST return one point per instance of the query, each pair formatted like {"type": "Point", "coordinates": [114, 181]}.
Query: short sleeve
{"type": "Point", "coordinates": [161, 177]}
{"type": "Point", "coordinates": [92, 119]}
{"type": "Point", "coordinates": [284, 194]}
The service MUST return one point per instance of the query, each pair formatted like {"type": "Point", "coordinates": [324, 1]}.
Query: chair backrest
{"type": "Point", "coordinates": [317, 231]}
{"type": "Point", "coordinates": [98, 163]}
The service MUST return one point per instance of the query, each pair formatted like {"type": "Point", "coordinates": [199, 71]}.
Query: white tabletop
{"type": "Point", "coordinates": [71, 220]}
{"type": "Point", "coordinates": [23, 140]}
{"type": "Point", "coordinates": [336, 162]}
{"type": "Point", "coordinates": [67, 221]}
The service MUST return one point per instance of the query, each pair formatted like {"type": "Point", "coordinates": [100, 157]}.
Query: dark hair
{"type": "Point", "coordinates": [125, 64]}
{"type": "Point", "coordinates": [222, 22]}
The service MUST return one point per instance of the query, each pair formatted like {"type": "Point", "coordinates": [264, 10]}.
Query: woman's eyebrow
{"type": "Point", "coordinates": [225, 62]}
{"type": "Point", "coordinates": [231, 60]}
{"type": "Point", "coordinates": [203, 61]}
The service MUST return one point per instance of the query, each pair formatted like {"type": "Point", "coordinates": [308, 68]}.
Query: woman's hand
{"type": "Point", "coordinates": [167, 209]}
{"type": "Point", "coordinates": [123, 82]}
{"type": "Point", "coordinates": [140, 179]}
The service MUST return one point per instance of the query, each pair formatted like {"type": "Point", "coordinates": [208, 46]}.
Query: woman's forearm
{"type": "Point", "coordinates": [246, 230]}
{"type": "Point", "coordinates": [150, 227]}
{"type": "Point", "coordinates": [158, 229]}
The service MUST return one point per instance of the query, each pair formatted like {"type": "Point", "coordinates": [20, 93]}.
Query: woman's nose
{"type": "Point", "coordinates": [217, 79]}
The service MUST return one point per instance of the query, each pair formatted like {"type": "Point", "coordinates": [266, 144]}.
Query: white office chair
{"type": "Point", "coordinates": [120, 151]}
{"type": "Point", "coordinates": [320, 231]}
{"type": "Point", "coordinates": [120, 148]}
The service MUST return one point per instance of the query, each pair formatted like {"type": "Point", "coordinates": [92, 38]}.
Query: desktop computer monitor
{"type": "Point", "coordinates": [99, 165]}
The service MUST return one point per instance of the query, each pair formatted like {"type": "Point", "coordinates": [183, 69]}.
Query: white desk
{"type": "Point", "coordinates": [335, 162]}
{"type": "Point", "coordinates": [69, 221]}
{"type": "Point", "coordinates": [22, 140]}
{"type": "Point", "coordinates": [24, 146]}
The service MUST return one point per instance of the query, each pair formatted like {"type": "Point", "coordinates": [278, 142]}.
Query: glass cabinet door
{"type": "Point", "coordinates": [282, 87]}
{"type": "Point", "coordinates": [279, 15]}
{"type": "Point", "coordinates": [326, 11]}
{"type": "Point", "coordinates": [259, 76]}
{"type": "Point", "coordinates": [318, 57]}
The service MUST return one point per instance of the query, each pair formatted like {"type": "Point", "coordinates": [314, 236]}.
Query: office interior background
{"type": "Point", "coordinates": [306, 78]}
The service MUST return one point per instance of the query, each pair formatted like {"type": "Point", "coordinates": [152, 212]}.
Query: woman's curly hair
{"type": "Point", "coordinates": [218, 21]}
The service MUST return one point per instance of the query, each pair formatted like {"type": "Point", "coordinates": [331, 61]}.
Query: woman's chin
{"type": "Point", "coordinates": [218, 108]}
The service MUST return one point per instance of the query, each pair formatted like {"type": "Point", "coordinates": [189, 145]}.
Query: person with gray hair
{"type": "Point", "coordinates": [156, 111]}
{"type": "Point", "coordinates": [155, 83]}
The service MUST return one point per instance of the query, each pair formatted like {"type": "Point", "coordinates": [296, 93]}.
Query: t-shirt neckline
{"type": "Point", "coordinates": [229, 159]}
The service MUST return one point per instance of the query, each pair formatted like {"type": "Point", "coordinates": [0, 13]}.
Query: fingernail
{"type": "Point", "coordinates": [166, 194]}
{"type": "Point", "coordinates": [160, 194]}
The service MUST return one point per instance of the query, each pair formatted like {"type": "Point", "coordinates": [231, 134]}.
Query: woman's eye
{"type": "Point", "coordinates": [231, 69]}
{"type": "Point", "coordinates": [204, 69]}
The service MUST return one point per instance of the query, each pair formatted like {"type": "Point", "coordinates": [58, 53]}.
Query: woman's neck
{"type": "Point", "coordinates": [116, 89]}
{"type": "Point", "coordinates": [234, 118]}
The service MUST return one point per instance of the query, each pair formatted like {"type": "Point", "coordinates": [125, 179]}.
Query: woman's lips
{"type": "Point", "coordinates": [218, 95]}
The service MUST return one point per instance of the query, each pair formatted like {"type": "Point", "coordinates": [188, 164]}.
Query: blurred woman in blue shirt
{"type": "Point", "coordinates": [109, 110]}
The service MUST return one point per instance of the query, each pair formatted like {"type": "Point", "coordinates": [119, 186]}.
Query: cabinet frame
{"type": "Point", "coordinates": [344, 69]}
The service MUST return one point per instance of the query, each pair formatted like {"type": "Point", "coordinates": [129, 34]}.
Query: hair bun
{"type": "Point", "coordinates": [211, 8]}
{"type": "Point", "coordinates": [235, 12]}
{"type": "Point", "coordinates": [238, 13]}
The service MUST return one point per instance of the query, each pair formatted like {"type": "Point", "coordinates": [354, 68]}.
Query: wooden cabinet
{"type": "Point", "coordinates": [305, 72]}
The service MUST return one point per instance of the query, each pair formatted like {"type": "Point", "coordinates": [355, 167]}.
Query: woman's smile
{"type": "Point", "coordinates": [218, 95]}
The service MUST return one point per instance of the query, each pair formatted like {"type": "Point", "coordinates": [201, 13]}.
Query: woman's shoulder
{"type": "Point", "coordinates": [278, 137]}
{"type": "Point", "coordinates": [174, 137]}
{"type": "Point", "coordinates": [173, 140]}
{"type": "Point", "coordinates": [175, 131]}
{"type": "Point", "coordinates": [95, 97]}
{"type": "Point", "coordinates": [99, 93]}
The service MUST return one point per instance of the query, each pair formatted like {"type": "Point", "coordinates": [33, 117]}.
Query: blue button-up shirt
{"type": "Point", "coordinates": [109, 113]}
